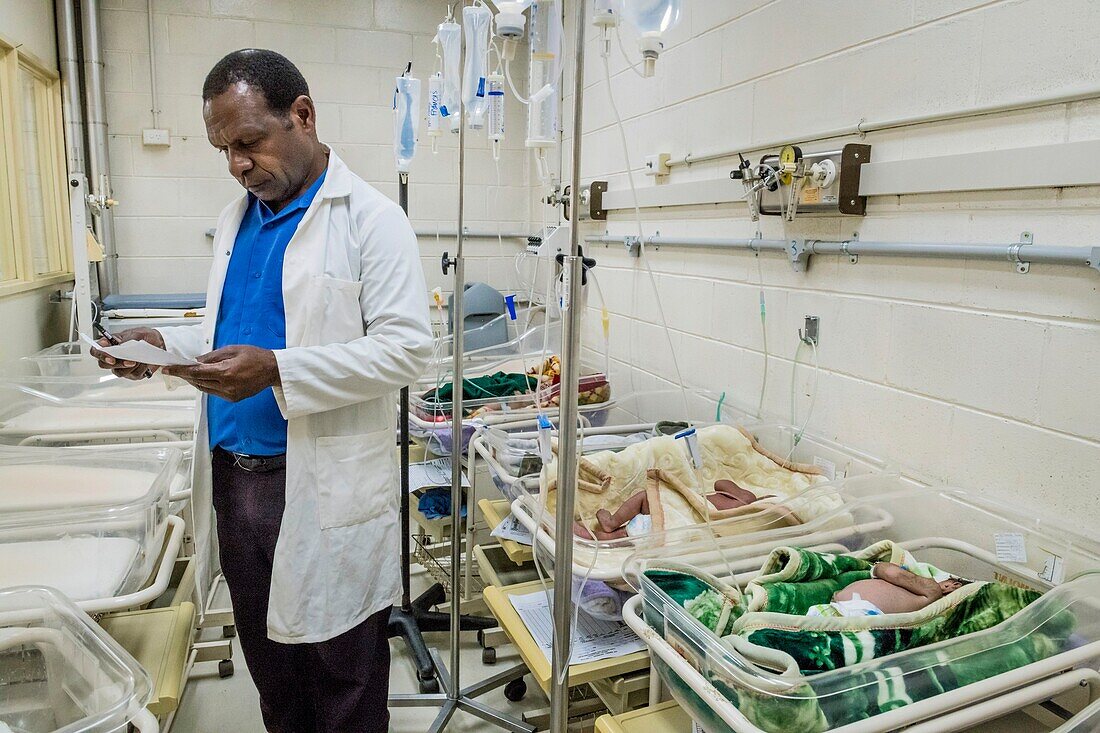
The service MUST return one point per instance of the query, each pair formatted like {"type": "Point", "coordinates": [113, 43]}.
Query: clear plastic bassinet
{"type": "Point", "coordinates": [62, 413]}
{"type": "Point", "coordinates": [730, 686]}
{"type": "Point", "coordinates": [87, 523]}
{"type": "Point", "coordinates": [60, 672]}
{"type": "Point", "coordinates": [604, 559]}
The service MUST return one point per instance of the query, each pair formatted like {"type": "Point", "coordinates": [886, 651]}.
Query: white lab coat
{"type": "Point", "coordinates": [352, 262]}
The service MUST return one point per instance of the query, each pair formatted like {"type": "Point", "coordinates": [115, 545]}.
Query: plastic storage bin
{"type": "Point", "coordinates": [88, 524]}
{"type": "Point", "coordinates": [725, 687]}
{"type": "Point", "coordinates": [61, 672]}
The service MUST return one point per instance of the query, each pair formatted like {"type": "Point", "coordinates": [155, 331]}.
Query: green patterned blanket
{"type": "Point", "coordinates": [770, 618]}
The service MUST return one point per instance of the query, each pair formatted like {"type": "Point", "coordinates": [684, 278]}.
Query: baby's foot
{"type": "Point", "coordinates": [607, 522]}
{"type": "Point", "coordinates": [581, 531]}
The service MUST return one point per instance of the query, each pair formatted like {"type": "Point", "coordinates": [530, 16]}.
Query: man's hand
{"type": "Point", "coordinates": [232, 373]}
{"type": "Point", "coordinates": [128, 369]}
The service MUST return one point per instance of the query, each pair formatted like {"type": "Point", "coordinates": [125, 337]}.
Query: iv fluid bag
{"type": "Point", "coordinates": [406, 121]}
{"type": "Point", "coordinates": [495, 86]}
{"type": "Point", "coordinates": [476, 19]}
{"type": "Point", "coordinates": [545, 73]}
{"type": "Point", "coordinates": [435, 99]}
{"type": "Point", "coordinates": [450, 39]}
{"type": "Point", "coordinates": [652, 16]}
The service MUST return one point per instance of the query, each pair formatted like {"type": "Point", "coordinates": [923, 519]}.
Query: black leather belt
{"type": "Point", "coordinates": [253, 464]}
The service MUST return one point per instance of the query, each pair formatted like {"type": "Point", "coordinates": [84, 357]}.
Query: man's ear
{"type": "Point", "coordinates": [303, 113]}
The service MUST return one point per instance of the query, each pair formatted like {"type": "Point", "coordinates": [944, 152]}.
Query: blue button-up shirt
{"type": "Point", "coordinates": [251, 313]}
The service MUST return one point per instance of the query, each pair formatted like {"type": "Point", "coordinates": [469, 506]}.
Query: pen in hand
{"type": "Point", "coordinates": [103, 332]}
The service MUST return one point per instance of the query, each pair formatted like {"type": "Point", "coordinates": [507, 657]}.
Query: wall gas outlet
{"type": "Point", "coordinates": [833, 186]}
{"type": "Point", "coordinates": [155, 138]}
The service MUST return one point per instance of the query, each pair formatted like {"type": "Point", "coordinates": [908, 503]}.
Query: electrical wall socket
{"type": "Point", "coordinates": [657, 164]}
{"type": "Point", "coordinates": [154, 137]}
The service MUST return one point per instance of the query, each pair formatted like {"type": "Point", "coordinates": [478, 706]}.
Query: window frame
{"type": "Point", "coordinates": [16, 252]}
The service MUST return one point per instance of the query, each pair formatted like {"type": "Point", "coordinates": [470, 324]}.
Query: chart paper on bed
{"type": "Point", "coordinates": [593, 639]}
{"type": "Point", "coordinates": [511, 529]}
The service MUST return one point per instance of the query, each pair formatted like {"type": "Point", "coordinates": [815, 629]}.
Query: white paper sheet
{"type": "Point", "coordinates": [141, 352]}
{"type": "Point", "coordinates": [1010, 547]}
{"type": "Point", "coordinates": [593, 640]}
{"type": "Point", "coordinates": [511, 529]}
{"type": "Point", "coordinates": [427, 474]}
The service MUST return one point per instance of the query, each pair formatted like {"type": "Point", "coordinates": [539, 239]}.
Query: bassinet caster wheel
{"type": "Point", "coordinates": [429, 686]}
{"type": "Point", "coordinates": [489, 655]}
{"type": "Point", "coordinates": [516, 690]}
{"type": "Point", "coordinates": [225, 668]}
{"type": "Point", "coordinates": [229, 631]}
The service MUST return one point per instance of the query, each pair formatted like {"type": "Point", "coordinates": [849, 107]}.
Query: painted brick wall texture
{"type": "Point", "coordinates": [964, 372]}
{"type": "Point", "coordinates": [349, 51]}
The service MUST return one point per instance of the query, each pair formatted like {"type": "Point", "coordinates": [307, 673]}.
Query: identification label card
{"type": "Point", "coordinates": [1010, 547]}
{"type": "Point", "coordinates": [827, 466]}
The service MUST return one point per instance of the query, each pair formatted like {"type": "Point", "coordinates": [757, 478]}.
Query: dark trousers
{"type": "Point", "coordinates": [335, 686]}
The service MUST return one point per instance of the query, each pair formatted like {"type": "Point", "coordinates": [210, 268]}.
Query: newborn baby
{"type": "Point", "coordinates": [893, 589]}
{"type": "Point", "coordinates": [727, 495]}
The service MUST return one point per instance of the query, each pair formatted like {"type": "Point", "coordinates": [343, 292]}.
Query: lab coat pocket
{"type": "Point", "coordinates": [356, 478]}
{"type": "Point", "coordinates": [336, 315]}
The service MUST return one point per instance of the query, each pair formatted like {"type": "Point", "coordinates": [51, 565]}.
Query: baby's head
{"type": "Point", "coordinates": [952, 584]}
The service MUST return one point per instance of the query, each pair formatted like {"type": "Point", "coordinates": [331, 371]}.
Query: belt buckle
{"type": "Point", "coordinates": [245, 463]}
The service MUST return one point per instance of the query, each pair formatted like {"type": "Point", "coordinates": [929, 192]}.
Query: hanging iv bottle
{"type": "Point", "coordinates": [545, 75]}
{"type": "Point", "coordinates": [406, 121]}
{"type": "Point", "coordinates": [476, 19]}
{"type": "Point", "coordinates": [652, 19]}
{"type": "Point", "coordinates": [449, 35]}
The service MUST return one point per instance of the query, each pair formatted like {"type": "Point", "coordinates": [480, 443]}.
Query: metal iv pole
{"type": "Point", "coordinates": [455, 698]}
{"type": "Point", "coordinates": [567, 449]}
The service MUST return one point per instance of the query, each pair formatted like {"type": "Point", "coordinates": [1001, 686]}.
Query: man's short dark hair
{"type": "Point", "coordinates": [266, 71]}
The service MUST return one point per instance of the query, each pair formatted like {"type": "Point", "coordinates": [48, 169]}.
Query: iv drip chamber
{"type": "Point", "coordinates": [545, 74]}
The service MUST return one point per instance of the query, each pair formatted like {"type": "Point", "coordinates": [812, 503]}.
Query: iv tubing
{"type": "Point", "coordinates": [511, 85]}
{"type": "Point", "coordinates": [797, 437]}
{"type": "Point", "coordinates": [641, 235]}
{"type": "Point", "coordinates": [626, 58]}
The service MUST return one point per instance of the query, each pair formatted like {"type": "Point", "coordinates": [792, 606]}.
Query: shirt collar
{"type": "Point", "coordinates": [301, 202]}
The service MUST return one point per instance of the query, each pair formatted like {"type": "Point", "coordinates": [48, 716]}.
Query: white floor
{"type": "Point", "coordinates": [213, 705]}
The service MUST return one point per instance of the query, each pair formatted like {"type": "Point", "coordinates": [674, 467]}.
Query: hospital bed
{"type": "Point", "coordinates": [59, 671]}
{"type": "Point", "coordinates": [951, 685]}
{"type": "Point", "coordinates": [95, 526]}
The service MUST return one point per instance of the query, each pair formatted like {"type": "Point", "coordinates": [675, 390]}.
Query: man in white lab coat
{"type": "Point", "coordinates": [316, 315]}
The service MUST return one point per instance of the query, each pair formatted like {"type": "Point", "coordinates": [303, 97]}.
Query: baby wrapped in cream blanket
{"type": "Point", "coordinates": [677, 489]}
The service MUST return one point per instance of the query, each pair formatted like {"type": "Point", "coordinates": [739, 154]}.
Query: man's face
{"type": "Point", "coordinates": [270, 154]}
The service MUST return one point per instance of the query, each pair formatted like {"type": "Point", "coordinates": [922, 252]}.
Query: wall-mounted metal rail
{"type": "Point", "coordinates": [1021, 254]}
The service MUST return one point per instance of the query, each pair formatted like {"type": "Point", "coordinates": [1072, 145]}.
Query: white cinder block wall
{"type": "Point", "coordinates": [349, 51]}
{"type": "Point", "coordinates": [963, 371]}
